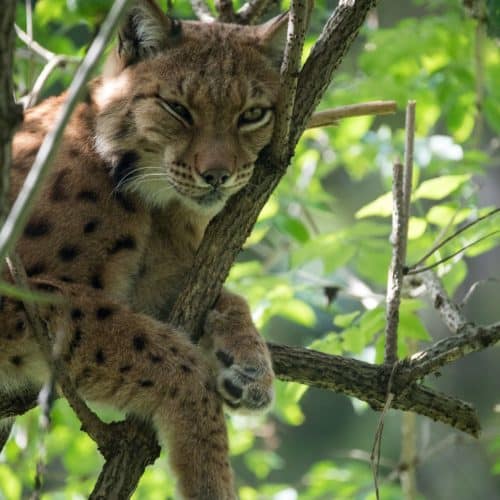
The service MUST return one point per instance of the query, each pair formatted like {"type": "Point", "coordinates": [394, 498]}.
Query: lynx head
{"type": "Point", "coordinates": [185, 108]}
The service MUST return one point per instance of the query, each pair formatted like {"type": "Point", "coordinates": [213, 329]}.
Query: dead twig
{"type": "Point", "coordinates": [330, 117]}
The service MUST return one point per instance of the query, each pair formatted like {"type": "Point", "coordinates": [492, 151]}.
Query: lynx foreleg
{"type": "Point", "coordinates": [240, 355]}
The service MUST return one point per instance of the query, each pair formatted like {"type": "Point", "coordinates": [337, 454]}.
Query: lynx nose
{"type": "Point", "coordinates": [216, 176]}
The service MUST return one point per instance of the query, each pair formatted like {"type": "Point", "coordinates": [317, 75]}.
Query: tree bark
{"type": "Point", "coordinates": [10, 112]}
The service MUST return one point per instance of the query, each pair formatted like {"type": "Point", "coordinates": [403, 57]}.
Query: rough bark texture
{"type": "Point", "coordinates": [135, 447]}
{"type": "Point", "coordinates": [369, 383]}
{"type": "Point", "coordinates": [10, 113]}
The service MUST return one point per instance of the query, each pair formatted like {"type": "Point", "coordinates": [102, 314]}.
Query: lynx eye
{"type": "Point", "coordinates": [254, 118]}
{"type": "Point", "coordinates": [177, 110]}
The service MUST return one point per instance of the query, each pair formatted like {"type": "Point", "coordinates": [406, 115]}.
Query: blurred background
{"type": "Point", "coordinates": [315, 267]}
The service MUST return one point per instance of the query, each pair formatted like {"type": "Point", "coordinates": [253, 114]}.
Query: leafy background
{"type": "Point", "coordinates": [315, 267]}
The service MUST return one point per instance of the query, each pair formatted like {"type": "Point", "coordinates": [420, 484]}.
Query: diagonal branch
{"type": "Point", "coordinates": [297, 24]}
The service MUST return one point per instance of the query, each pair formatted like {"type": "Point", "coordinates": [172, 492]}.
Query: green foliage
{"type": "Point", "coordinates": [326, 227]}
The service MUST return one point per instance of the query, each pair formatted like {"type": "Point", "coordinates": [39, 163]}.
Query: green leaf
{"type": "Point", "coordinates": [416, 227]}
{"type": "Point", "coordinates": [292, 226]}
{"type": "Point", "coordinates": [381, 206]}
{"type": "Point", "coordinates": [297, 311]}
{"type": "Point", "coordinates": [344, 320]}
{"type": "Point", "coordinates": [411, 326]}
{"type": "Point", "coordinates": [354, 340]}
{"type": "Point", "coordinates": [332, 343]}
{"type": "Point", "coordinates": [440, 187]}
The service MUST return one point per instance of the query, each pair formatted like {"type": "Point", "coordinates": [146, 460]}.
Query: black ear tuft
{"type": "Point", "coordinates": [145, 31]}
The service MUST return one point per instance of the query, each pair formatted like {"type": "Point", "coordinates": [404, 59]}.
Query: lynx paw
{"type": "Point", "coordinates": [244, 373]}
{"type": "Point", "coordinates": [243, 387]}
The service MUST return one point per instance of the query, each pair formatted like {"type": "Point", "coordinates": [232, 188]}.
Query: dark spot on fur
{"type": "Point", "coordinates": [225, 358]}
{"type": "Point", "coordinates": [66, 279]}
{"type": "Point", "coordinates": [123, 243]}
{"type": "Point", "coordinates": [37, 227]}
{"type": "Point", "coordinates": [103, 312]}
{"type": "Point", "coordinates": [139, 342]}
{"type": "Point", "coordinates": [173, 392]}
{"type": "Point", "coordinates": [87, 195]}
{"type": "Point", "coordinates": [125, 202]}
{"type": "Point", "coordinates": [75, 341]}
{"type": "Point", "coordinates": [76, 314]}
{"type": "Point", "coordinates": [185, 368]}
{"type": "Point", "coordinates": [125, 368]}
{"type": "Point", "coordinates": [59, 188]}
{"type": "Point", "coordinates": [18, 306]}
{"type": "Point", "coordinates": [90, 226]}
{"type": "Point", "coordinates": [174, 351]}
{"type": "Point", "coordinates": [20, 325]}
{"type": "Point", "coordinates": [233, 389]}
{"type": "Point", "coordinates": [46, 287]}
{"type": "Point", "coordinates": [146, 383]}
{"type": "Point", "coordinates": [74, 152]}
{"type": "Point", "coordinates": [68, 253]}
{"type": "Point", "coordinates": [100, 358]}
{"type": "Point", "coordinates": [125, 168]}
{"type": "Point", "coordinates": [16, 360]}
{"type": "Point", "coordinates": [37, 268]}
{"type": "Point", "coordinates": [155, 358]}
{"type": "Point", "coordinates": [96, 282]}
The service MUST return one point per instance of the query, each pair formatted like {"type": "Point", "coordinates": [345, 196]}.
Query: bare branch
{"type": "Point", "coordinates": [252, 11]}
{"type": "Point", "coordinates": [33, 45]}
{"type": "Point", "coordinates": [331, 116]}
{"type": "Point", "coordinates": [408, 170]}
{"type": "Point", "coordinates": [443, 242]}
{"type": "Point", "coordinates": [395, 279]}
{"type": "Point", "coordinates": [471, 339]}
{"type": "Point", "coordinates": [297, 24]}
{"type": "Point", "coordinates": [369, 383]}
{"type": "Point", "coordinates": [202, 11]}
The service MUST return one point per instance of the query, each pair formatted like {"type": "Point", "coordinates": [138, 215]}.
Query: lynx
{"type": "Point", "coordinates": [167, 133]}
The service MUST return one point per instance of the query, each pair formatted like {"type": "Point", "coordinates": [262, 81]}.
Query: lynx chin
{"type": "Point", "coordinates": [167, 133]}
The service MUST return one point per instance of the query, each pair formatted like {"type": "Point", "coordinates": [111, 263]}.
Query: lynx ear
{"type": "Point", "coordinates": [272, 35]}
{"type": "Point", "coordinates": [145, 31]}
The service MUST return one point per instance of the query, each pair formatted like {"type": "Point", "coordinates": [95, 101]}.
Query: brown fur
{"type": "Point", "coordinates": [120, 218]}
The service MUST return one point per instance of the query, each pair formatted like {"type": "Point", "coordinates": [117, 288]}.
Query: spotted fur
{"type": "Point", "coordinates": [169, 131]}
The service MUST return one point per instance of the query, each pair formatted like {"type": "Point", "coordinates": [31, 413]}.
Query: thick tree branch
{"type": "Point", "coordinates": [10, 113]}
{"type": "Point", "coordinates": [395, 279]}
{"type": "Point", "coordinates": [369, 383]}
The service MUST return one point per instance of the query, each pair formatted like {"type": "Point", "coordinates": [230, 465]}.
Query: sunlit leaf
{"type": "Point", "coordinates": [440, 187]}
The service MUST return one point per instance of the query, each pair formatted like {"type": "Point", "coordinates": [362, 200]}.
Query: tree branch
{"type": "Point", "coordinates": [252, 11]}
{"type": "Point", "coordinates": [331, 116]}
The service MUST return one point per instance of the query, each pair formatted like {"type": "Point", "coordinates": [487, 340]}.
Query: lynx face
{"type": "Point", "coordinates": [186, 108]}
